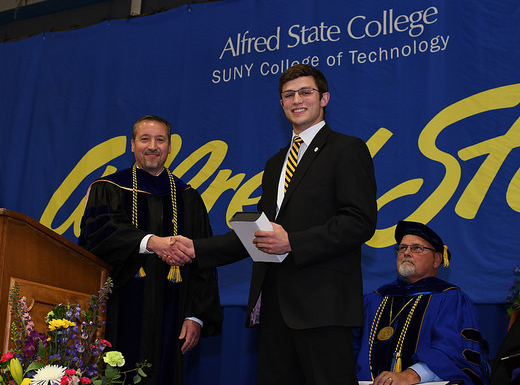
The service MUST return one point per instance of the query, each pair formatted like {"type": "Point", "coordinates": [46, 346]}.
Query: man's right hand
{"type": "Point", "coordinates": [174, 250]}
{"type": "Point", "coordinates": [184, 249]}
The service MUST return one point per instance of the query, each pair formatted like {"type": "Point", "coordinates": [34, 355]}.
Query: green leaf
{"type": "Point", "coordinates": [137, 379]}
{"type": "Point", "coordinates": [141, 372]}
{"type": "Point", "coordinates": [41, 349]}
{"type": "Point", "coordinates": [111, 373]}
{"type": "Point", "coordinates": [34, 366]}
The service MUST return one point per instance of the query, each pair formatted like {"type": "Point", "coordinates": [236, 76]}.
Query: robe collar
{"type": "Point", "coordinates": [156, 185]}
{"type": "Point", "coordinates": [428, 285]}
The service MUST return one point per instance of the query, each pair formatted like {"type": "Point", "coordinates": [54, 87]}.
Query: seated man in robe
{"type": "Point", "coordinates": [420, 328]}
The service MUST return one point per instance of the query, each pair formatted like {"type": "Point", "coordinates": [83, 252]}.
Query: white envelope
{"type": "Point", "coordinates": [245, 224]}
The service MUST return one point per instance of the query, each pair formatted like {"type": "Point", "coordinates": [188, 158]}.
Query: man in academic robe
{"type": "Point", "coordinates": [420, 328]}
{"type": "Point", "coordinates": [157, 312]}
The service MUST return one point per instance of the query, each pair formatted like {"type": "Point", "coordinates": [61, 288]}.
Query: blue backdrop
{"type": "Point", "coordinates": [432, 86]}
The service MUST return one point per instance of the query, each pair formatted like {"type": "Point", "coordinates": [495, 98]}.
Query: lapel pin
{"type": "Point", "coordinates": [316, 149]}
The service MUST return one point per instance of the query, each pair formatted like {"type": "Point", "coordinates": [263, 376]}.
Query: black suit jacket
{"type": "Point", "coordinates": [329, 211]}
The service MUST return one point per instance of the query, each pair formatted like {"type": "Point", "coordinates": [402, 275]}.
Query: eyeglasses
{"type": "Point", "coordinates": [415, 249]}
{"type": "Point", "coordinates": [303, 92]}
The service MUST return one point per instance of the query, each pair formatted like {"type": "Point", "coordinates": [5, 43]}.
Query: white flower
{"type": "Point", "coordinates": [48, 375]}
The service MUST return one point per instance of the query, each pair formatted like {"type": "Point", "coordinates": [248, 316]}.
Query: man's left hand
{"type": "Point", "coordinates": [190, 333]}
{"type": "Point", "coordinates": [273, 242]}
{"type": "Point", "coordinates": [407, 377]}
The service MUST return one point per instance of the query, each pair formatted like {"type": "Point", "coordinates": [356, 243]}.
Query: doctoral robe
{"type": "Point", "coordinates": [145, 313]}
{"type": "Point", "coordinates": [440, 329]}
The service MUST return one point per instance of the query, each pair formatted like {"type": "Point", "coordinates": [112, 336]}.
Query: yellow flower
{"type": "Point", "coordinates": [26, 381]}
{"type": "Point", "coordinates": [60, 324]}
{"type": "Point", "coordinates": [114, 358]}
{"type": "Point", "coordinates": [16, 370]}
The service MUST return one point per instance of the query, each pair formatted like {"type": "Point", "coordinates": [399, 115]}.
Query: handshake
{"type": "Point", "coordinates": [175, 250]}
{"type": "Point", "coordinates": [178, 250]}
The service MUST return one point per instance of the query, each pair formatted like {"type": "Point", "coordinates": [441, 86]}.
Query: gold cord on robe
{"type": "Point", "coordinates": [174, 275]}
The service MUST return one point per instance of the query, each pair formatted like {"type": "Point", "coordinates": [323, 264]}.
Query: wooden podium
{"type": "Point", "coordinates": [48, 268]}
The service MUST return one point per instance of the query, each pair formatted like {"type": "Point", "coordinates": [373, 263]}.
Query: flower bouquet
{"type": "Point", "coordinates": [70, 352]}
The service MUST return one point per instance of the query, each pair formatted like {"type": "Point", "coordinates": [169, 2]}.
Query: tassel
{"type": "Point", "coordinates": [396, 362]}
{"type": "Point", "coordinates": [445, 259]}
{"type": "Point", "coordinates": [174, 275]}
{"type": "Point", "coordinates": [142, 273]}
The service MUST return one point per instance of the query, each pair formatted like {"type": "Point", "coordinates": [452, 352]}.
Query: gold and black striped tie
{"type": "Point", "coordinates": [292, 161]}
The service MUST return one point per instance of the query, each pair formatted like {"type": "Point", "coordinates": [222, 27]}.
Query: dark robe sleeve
{"type": "Point", "coordinates": [202, 300]}
{"type": "Point", "coordinates": [453, 347]}
{"type": "Point", "coordinates": [107, 232]}
{"type": "Point", "coordinates": [501, 370]}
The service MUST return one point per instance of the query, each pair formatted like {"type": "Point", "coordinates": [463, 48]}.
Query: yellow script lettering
{"type": "Point", "coordinates": [497, 150]}
{"type": "Point", "coordinates": [95, 158]}
{"type": "Point", "coordinates": [497, 98]}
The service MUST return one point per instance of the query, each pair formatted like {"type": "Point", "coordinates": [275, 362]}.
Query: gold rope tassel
{"type": "Point", "coordinates": [445, 259]}
{"type": "Point", "coordinates": [397, 365]}
{"type": "Point", "coordinates": [174, 275]}
{"type": "Point", "coordinates": [396, 361]}
{"type": "Point", "coordinates": [141, 273]}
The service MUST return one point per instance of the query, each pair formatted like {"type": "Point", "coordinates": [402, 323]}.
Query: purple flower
{"type": "Point", "coordinates": [32, 343]}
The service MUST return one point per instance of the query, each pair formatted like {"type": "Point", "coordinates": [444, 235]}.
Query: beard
{"type": "Point", "coordinates": [406, 269]}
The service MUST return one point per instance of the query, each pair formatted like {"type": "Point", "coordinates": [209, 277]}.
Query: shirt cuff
{"type": "Point", "coordinates": [196, 320]}
{"type": "Point", "coordinates": [424, 372]}
{"type": "Point", "coordinates": [142, 246]}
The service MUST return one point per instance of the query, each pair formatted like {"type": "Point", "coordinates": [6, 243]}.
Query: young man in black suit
{"type": "Point", "coordinates": [321, 213]}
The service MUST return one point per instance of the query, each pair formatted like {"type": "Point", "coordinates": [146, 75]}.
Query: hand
{"type": "Point", "coordinates": [407, 377]}
{"type": "Point", "coordinates": [183, 248]}
{"type": "Point", "coordinates": [273, 242]}
{"type": "Point", "coordinates": [167, 250]}
{"type": "Point", "coordinates": [190, 333]}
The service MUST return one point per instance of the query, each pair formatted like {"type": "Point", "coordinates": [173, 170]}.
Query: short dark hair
{"type": "Point", "coordinates": [153, 118]}
{"type": "Point", "coordinates": [299, 70]}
